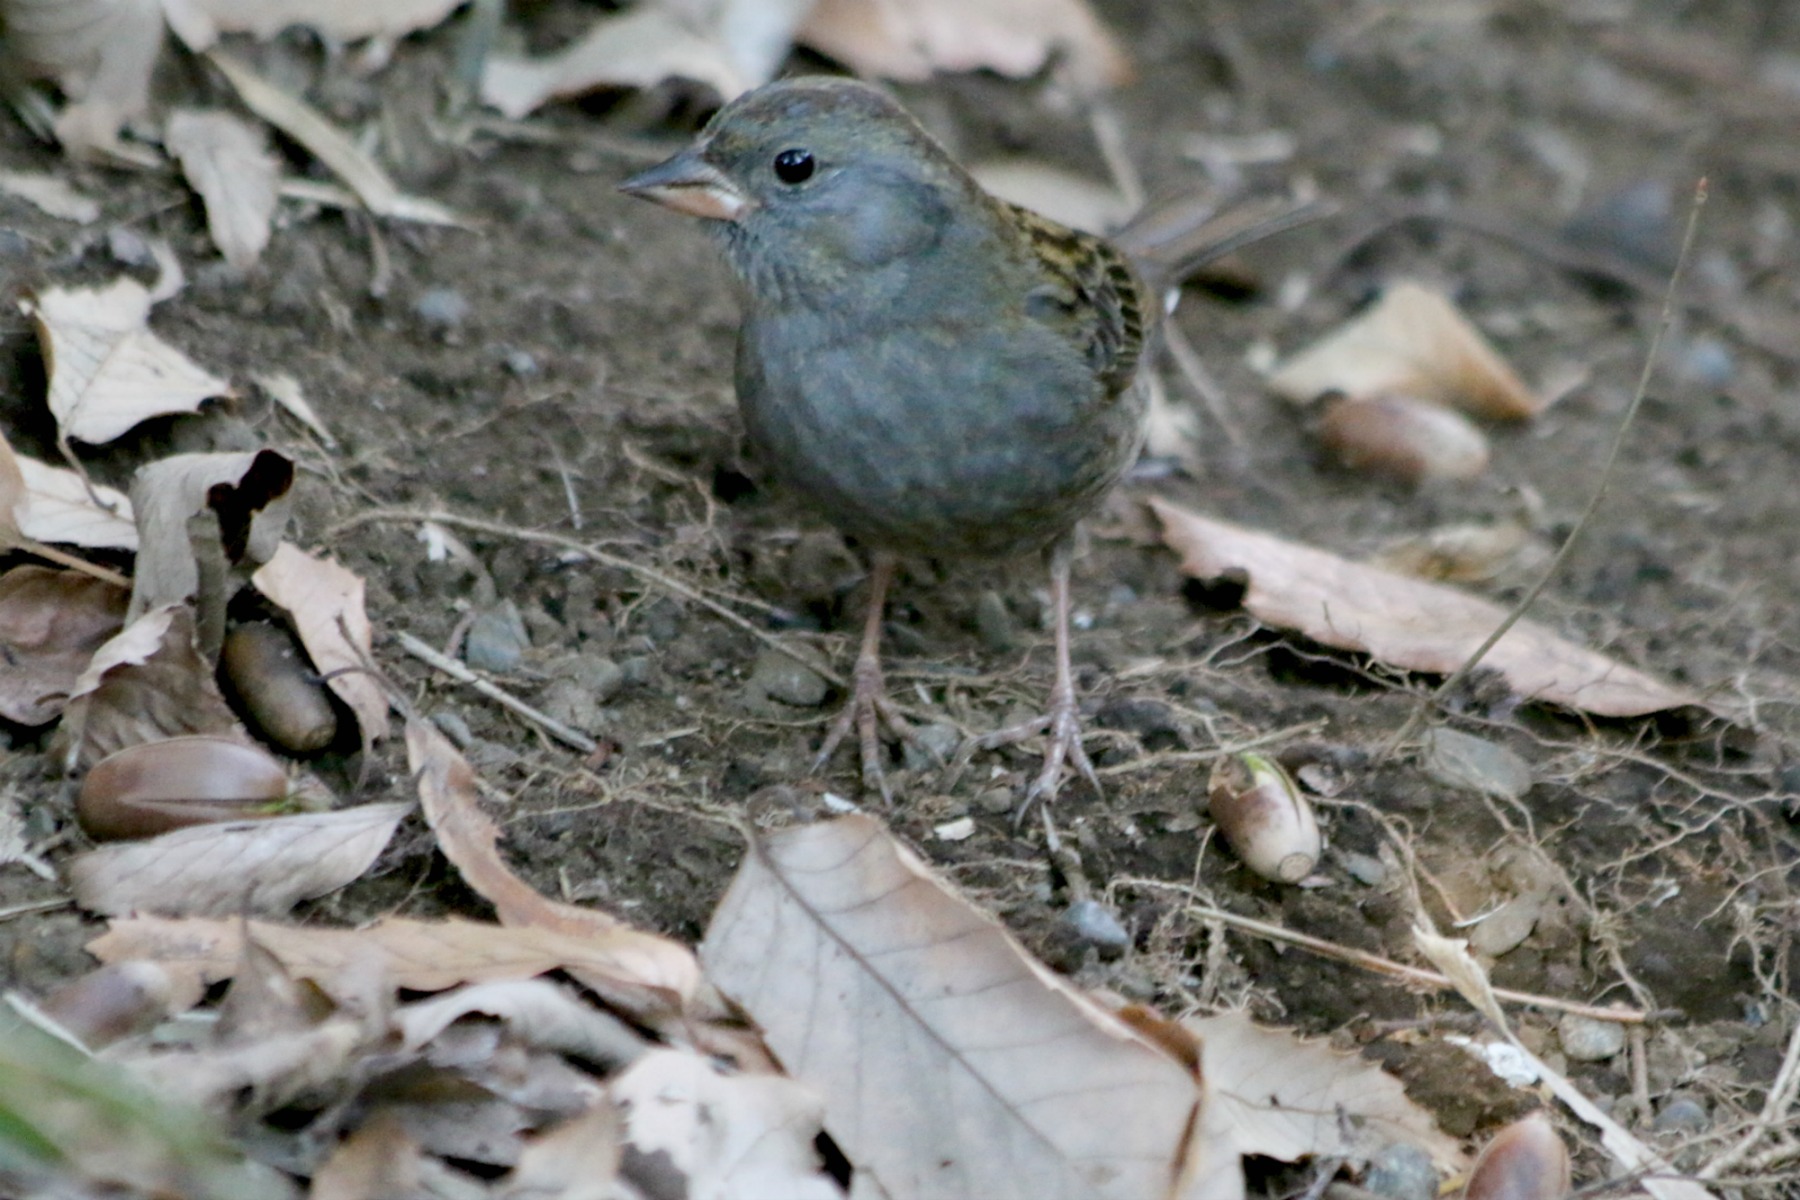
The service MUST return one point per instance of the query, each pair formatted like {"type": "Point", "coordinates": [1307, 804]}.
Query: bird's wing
{"type": "Point", "coordinates": [1089, 293]}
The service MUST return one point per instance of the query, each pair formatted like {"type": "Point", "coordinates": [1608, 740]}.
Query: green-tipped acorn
{"type": "Point", "coordinates": [1268, 823]}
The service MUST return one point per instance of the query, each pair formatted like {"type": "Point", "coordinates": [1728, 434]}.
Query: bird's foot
{"type": "Point", "coordinates": [1062, 725]}
{"type": "Point", "coordinates": [868, 712]}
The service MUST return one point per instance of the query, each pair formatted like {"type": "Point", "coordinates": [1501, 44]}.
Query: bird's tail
{"type": "Point", "coordinates": [1169, 240]}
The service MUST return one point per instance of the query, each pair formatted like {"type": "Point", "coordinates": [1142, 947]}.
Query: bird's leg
{"type": "Point", "coordinates": [868, 708]}
{"type": "Point", "coordinates": [1062, 721]}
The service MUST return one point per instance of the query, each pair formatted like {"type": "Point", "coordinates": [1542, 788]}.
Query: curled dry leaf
{"type": "Point", "coordinates": [1526, 1161]}
{"type": "Point", "coordinates": [147, 683]}
{"type": "Point", "coordinates": [712, 1134]}
{"type": "Point", "coordinates": [1269, 824]}
{"type": "Point", "coordinates": [227, 161]}
{"type": "Point", "coordinates": [1274, 1095]}
{"type": "Point", "coordinates": [198, 23]}
{"type": "Point", "coordinates": [1016, 38]}
{"type": "Point", "coordinates": [242, 501]}
{"type": "Point", "coordinates": [640, 48]}
{"type": "Point", "coordinates": [278, 687]}
{"type": "Point", "coordinates": [538, 1013]}
{"type": "Point", "coordinates": [285, 390]}
{"type": "Point", "coordinates": [99, 52]}
{"type": "Point", "coordinates": [1408, 623]}
{"type": "Point", "coordinates": [52, 195]}
{"type": "Point", "coordinates": [1467, 553]}
{"type": "Point", "coordinates": [325, 603]}
{"type": "Point", "coordinates": [39, 502]}
{"type": "Point", "coordinates": [51, 623]}
{"type": "Point", "coordinates": [258, 867]}
{"type": "Point", "coordinates": [108, 371]}
{"type": "Point", "coordinates": [873, 980]}
{"type": "Point", "coordinates": [154, 787]}
{"type": "Point", "coordinates": [1411, 342]}
{"type": "Point", "coordinates": [1411, 440]}
{"type": "Point", "coordinates": [655, 979]}
{"type": "Point", "coordinates": [578, 1159]}
{"type": "Point", "coordinates": [327, 143]}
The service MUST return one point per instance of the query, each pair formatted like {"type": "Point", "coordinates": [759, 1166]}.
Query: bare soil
{"type": "Point", "coordinates": [562, 367]}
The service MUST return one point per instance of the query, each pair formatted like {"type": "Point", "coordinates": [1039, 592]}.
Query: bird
{"type": "Point", "coordinates": [934, 370]}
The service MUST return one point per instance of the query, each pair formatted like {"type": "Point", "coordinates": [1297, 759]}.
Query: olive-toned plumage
{"type": "Point", "coordinates": [935, 370]}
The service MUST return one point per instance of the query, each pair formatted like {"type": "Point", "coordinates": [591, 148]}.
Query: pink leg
{"type": "Point", "coordinates": [868, 708]}
{"type": "Point", "coordinates": [1063, 720]}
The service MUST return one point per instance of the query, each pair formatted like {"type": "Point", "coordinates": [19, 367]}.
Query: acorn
{"type": "Point", "coordinates": [1265, 819]}
{"type": "Point", "coordinates": [154, 787]}
{"type": "Point", "coordinates": [280, 690]}
{"type": "Point", "coordinates": [1526, 1161]}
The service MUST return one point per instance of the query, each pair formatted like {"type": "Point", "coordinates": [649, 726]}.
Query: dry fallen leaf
{"type": "Point", "coordinates": [199, 516]}
{"type": "Point", "coordinates": [1075, 200]}
{"type": "Point", "coordinates": [379, 1161]}
{"type": "Point", "coordinates": [951, 1063]}
{"type": "Point", "coordinates": [577, 1160]}
{"type": "Point", "coordinates": [1411, 342]}
{"type": "Point", "coordinates": [424, 956]}
{"type": "Point", "coordinates": [51, 622]}
{"type": "Point", "coordinates": [260, 867]}
{"type": "Point", "coordinates": [108, 371]}
{"type": "Point", "coordinates": [325, 603]}
{"type": "Point", "coordinates": [39, 502]}
{"type": "Point", "coordinates": [911, 39]}
{"type": "Point", "coordinates": [285, 390]}
{"type": "Point", "coordinates": [227, 161]}
{"type": "Point", "coordinates": [99, 52]}
{"type": "Point", "coordinates": [51, 195]}
{"type": "Point", "coordinates": [1270, 1093]}
{"type": "Point", "coordinates": [713, 1134]}
{"type": "Point", "coordinates": [1405, 622]}
{"type": "Point", "coordinates": [1414, 441]}
{"type": "Point", "coordinates": [537, 1012]}
{"type": "Point", "coordinates": [655, 979]}
{"type": "Point", "coordinates": [147, 683]}
{"type": "Point", "coordinates": [340, 155]}
{"type": "Point", "coordinates": [640, 48]}
{"type": "Point", "coordinates": [198, 23]}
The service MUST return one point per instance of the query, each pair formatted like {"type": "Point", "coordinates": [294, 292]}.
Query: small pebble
{"type": "Point", "coordinates": [1366, 869]}
{"type": "Point", "coordinates": [1099, 926]}
{"type": "Point", "coordinates": [1682, 1114]}
{"type": "Point", "coordinates": [782, 678]}
{"type": "Point", "coordinates": [1586, 1040]}
{"type": "Point", "coordinates": [600, 677]}
{"type": "Point", "coordinates": [1402, 1172]}
{"type": "Point", "coordinates": [996, 800]}
{"type": "Point", "coordinates": [934, 746]}
{"type": "Point", "coordinates": [637, 669]}
{"type": "Point", "coordinates": [452, 726]}
{"type": "Point", "coordinates": [521, 364]}
{"type": "Point", "coordinates": [1468, 763]}
{"type": "Point", "coordinates": [129, 248]}
{"type": "Point", "coordinates": [566, 700]}
{"type": "Point", "coordinates": [1507, 926]}
{"type": "Point", "coordinates": [497, 639]}
{"type": "Point", "coordinates": [441, 308]}
{"type": "Point", "coordinates": [959, 830]}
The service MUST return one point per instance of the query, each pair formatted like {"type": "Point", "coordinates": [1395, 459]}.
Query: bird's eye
{"type": "Point", "coordinates": [794, 166]}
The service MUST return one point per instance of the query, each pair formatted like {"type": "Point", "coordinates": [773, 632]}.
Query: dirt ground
{"type": "Point", "coordinates": [563, 368]}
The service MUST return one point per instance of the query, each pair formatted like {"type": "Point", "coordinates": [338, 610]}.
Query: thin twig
{"type": "Point", "coordinates": [498, 695]}
{"type": "Point", "coordinates": [1600, 489]}
{"type": "Point", "coordinates": [1378, 964]}
{"type": "Point", "coordinates": [1782, 1093]}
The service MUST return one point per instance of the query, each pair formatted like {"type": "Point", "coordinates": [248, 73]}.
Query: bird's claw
{"type": "Point", "coordinates": [867, 711]}
{"type": "Point", "coordinates": [1062, 724]}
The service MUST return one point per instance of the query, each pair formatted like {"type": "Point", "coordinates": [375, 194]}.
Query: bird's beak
{"type": "Point", "coordinates": [689, 184]}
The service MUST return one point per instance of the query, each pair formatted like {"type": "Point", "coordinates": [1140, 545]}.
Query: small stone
{"type": "Point", "coordinates": [1401, 1172]}
{"type": "Point", "coordinates": [566, 700]}
{"type": "Point", "coordinates": [934, 745]}
{"type": "Point", "coordinates": [996, 800]}
{"type": "Point", "coordinates": [600, 677]}
{"type": "Point", "coordinates": [780, 677]}
{"type": "Point", "coordinates": [1507, 926]}
{"type": "Point", "coordinates": [638, 668]}
{"type": "Point", "coordinates": [497, 639]}
{"type": "Point", "coordinates": [520, 364]}
{"type": "Point", "coordinates": [129, 248]}
{"type": "Point", "coordinates": [452, 726]}
{"type": "Point", "coordinates": [1098, 926]}
{"type": "Point", "coordinates": [959, 830]}
{"type": "Point", "coordinates": [994, 624]}
{"type": "Point", "coordinates": [1682, 1114]}
{"type": "Point", "coordinates": [1585, 1039]}
{"type": "Point", "coordinates": [441, 309]}
{"type": "Point", "coordinates": [1471, 764]}
{"type": "Point", "coordinates": [1366, 869]}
